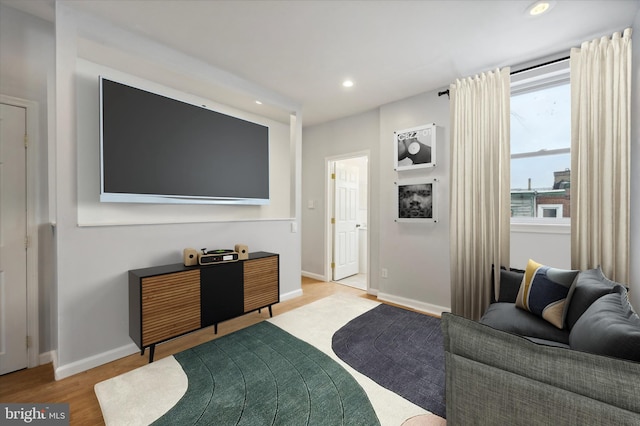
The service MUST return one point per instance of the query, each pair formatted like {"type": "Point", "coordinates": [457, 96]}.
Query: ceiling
{"type": "Point", "coordinates": [392, 50]}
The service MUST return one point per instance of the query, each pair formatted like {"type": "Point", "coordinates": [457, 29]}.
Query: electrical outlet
{"type": "Point", "coordinates": [384, 272]}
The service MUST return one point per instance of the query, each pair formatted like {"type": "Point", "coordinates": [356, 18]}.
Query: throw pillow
{"type": "Point", "coordinates": [509, 284]}
{"type": "Point", "coordinates": [544, 292]}
{"type": "Point", "coordinates": [608, 327]}
{"type": "Point", "coordinates": [590, 286]}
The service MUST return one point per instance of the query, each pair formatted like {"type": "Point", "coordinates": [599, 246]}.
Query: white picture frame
{"type": "Point", "coordinates": [416, 200]}
{"type": "Point", "coordinates": [415, 148]}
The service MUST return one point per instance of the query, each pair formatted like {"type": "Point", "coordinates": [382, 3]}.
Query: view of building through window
{"type": "Point", "coordinates": [541, 152]}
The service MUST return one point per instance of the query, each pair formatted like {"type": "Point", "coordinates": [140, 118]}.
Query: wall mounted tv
{"type": "Point", "coordinates": [154, 149]}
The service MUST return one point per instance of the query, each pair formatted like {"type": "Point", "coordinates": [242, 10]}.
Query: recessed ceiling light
{"type": "Point", "coordinates": [259, 103]}
{"type": "Point", "coordinates": [540, 7]}
{"type": "Point", "coordinates": [347, 83]}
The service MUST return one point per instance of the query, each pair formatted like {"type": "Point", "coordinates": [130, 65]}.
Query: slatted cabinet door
{"type": "Point", "coordinates": [261, 283]}
{"type": "Point", "coordinates": [170, 306]}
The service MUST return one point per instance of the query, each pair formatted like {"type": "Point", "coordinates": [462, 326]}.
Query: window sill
{"type": "Point", "coordinates": [541, 226]}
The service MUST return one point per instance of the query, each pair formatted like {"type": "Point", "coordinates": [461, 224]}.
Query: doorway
{"type": "Point", "coordinates": [348, 216]}
{"type": "Point", "coordinates": [19, 346]}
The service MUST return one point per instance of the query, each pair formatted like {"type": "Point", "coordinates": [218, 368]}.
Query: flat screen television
{"type": "Point", "coordinates": [155, 149]}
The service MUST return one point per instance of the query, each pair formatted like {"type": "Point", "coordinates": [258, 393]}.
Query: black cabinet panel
{"type": "Point", "coordinates": [221, 295]}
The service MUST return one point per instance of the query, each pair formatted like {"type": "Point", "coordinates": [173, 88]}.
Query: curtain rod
{"type": "Point", "coordinates": [446, 92]}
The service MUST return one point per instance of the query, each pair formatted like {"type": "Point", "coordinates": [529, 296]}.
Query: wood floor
{"type": "Point", "coordinates": [37, 385]}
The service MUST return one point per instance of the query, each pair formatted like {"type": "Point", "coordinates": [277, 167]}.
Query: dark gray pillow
{"type": "Point", "coordinates": [509, 284]}
{"type": "Point", "coordinates": [590, 285]}
{"type": "Point", "coordinates": [608, 327]}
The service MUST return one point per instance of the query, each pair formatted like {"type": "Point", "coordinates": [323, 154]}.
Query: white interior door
{"type": "Point", "coordinates": [13, 231]}
{"type": "Point", "coordinates": [345, 259]}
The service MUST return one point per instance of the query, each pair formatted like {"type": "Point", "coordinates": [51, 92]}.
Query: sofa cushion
{"type": "Point", "coordinates": [544, 292]}
{"type": "Point", "coordinates": [608, 327]}
{"type": "Point", "coordinates": [590, 286]}
{"type": "Point", "coordinates": [506, 317]}
{"type": "Point", "coordinates": [546, 342]}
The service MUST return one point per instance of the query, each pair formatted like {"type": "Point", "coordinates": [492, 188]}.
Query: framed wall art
{"type": "Point", "coordinates": [415, 148]}
{"type": "Point", "coordinates": [416, 200]}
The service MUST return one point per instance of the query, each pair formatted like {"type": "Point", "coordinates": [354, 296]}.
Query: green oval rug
{"type": "Point", "coordinates": [262, 375]}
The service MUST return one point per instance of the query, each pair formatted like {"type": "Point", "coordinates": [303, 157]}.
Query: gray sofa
{"type": "Point", "coordinates": [498, 378]}
{"type": "Point", "coordinates": [513, 367]}
{"type": "Point", "coordinates": [599, 318]}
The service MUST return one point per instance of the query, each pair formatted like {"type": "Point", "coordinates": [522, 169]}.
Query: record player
{"type": "Point", "coordinates": [209, 257]}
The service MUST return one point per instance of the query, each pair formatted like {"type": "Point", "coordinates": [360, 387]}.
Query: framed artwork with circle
{"type": "Point", "coordinates": [415, 148]}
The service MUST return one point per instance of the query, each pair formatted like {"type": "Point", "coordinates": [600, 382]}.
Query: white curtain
{"type": "Point", "coordinates": [480, 202]}
{"type": "Point", "coordinates": [600, 155]}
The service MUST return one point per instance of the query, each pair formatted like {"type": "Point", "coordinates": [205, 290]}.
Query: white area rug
{"type": "Point", "coordinates": [143, 395]}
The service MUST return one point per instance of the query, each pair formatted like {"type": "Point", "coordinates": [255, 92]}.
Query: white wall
{"type": "Point", "coordinates": [549, 245]}
{"type": "Point", "coordinates": [92, 261]}
{"type": "Point", "coordinates": [400, 248]}
{"type": "Point", "coordinates": [351, 135]}
{"type": "Point", "coordinates": [94, 328]}
{"type": "Point", "coordinates": [416, 255]}
{"type": "Point", "coordinates": [26, 71]}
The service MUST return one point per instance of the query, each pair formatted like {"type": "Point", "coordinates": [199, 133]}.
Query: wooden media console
{"type": "Point", "coordinates": [171, 300]}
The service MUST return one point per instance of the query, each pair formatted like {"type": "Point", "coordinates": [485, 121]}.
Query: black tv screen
{"type": "Point", "coordinates": [155, 149]}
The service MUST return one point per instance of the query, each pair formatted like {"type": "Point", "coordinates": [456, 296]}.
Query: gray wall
{"type": "Point", "coordinates": [342, 137]}
{"type": "Point", "coordinates": [26, 70]}
{"type": "Point", "coordinates": [416, 256]}
{"type": "Point", "coordinates": [83, 314]}
{"type": "Point", "coordinates": [83, 269]}
{"type": "Point", "coordinates": [92, 261]}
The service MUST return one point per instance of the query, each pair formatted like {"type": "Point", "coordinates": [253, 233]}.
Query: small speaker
{"type": "Point", "coordinates": [190, 257]}
{"type": "Point", "coordinates": [243, 251]}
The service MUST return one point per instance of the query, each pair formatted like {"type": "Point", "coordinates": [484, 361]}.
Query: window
{"type": "Point", "coordinates": [549, 210]}
{"type": "Point", "coordinates": [541, 143]}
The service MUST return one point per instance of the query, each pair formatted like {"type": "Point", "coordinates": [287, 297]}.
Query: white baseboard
{"type": "Point", "coordinates": [46, 357]}
{"type": "Point", "coordinates": [413, 304]}
{"type": "Point", "coordinates": [64, 371]}
{"type": "Point", "coordinates": [314, 276]}
{"type": "Point", "coordinates": [291, 295]}
{"type": "Point", "coordinates": [85, 364]}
